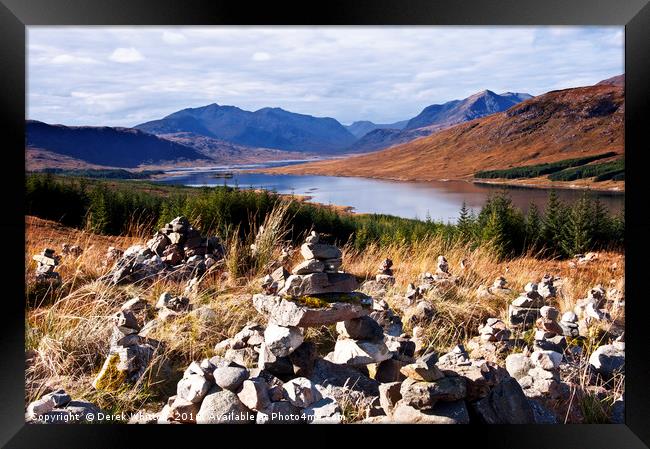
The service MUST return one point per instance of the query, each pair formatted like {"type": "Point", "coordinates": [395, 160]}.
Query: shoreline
{"type": "Point", "coordinates": [612, 187]}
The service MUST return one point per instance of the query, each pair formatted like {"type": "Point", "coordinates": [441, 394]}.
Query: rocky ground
{"type": "Point", "coordinates": [159, 329]}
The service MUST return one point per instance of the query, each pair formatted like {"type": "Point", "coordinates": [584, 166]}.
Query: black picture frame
{"type": "Point", "coordinates": [15, 15]}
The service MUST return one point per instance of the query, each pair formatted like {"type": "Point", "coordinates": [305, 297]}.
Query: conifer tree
{"type": "Point", "coordinates": [554, 223]}
{"type": "Point", "coordinates": [579, 228]}
{"type": "Point", "coordinates": [533, 226]}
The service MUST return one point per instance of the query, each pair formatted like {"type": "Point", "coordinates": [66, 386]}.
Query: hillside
{"type": "Point", "coordinates": [363, 127]}
{"type": "Point", "coordinates": [551, 127]}
{"type": "Point", "coordinates": [437, 117]}
{"type": "Point", "coordinates": [224, 152]}
{"type": "Point", "coordinates": [102, 146]}
{"type": "Point", "coordinates": [266, 128]}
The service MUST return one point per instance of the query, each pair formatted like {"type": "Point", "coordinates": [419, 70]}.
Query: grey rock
{"type": "Point", "coordinates": [301, 392]}
{"type": "Point", "coordinates": [326, 373]}
{"type": "Point", "coordinates": [506, 404]}
{"type": "Point", "coordinates": [424, 395]}
{"type": "Point", "coordinates": [282, 340]}
{"type": "Point", "coordinates": [230, 377]}
{"type": "Point", "coordinates": [442, 413]}
{"type": "Point", "coordinates": [364, 328]}
{"type": "Point", "coordinates": [324, 411]}
{"type": "Point", "coordinates": [318, 284]}
{"type": "Point", "coordinates": [309, 266]}
{"type": "Point", "coordinates": [286, 312]}
{"type": "Point", "coordinates": [281, 412]}
{"type": "Point", "coordinates": [360, 352]}
{"type": "Point", "coordinates": [607, 360]}
{"type": "Point", "coordinates": [389, 395]}
{"type": "Point", "coordinates": [319, 251]}
{"type": "Point", "coordinates": [518, 365]}
{"type": "Point", "coordinates": [193, 388]}
{"type": "Point", "coordinates": [223, 407]}
{"type": "Point", "coordinates": [254, 394]}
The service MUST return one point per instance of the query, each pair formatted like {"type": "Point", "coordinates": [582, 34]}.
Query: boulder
{"type": "Point", "coordinates": [318, 284]}
{"type": "Point", "coordinates": [424, 395]}
{"type": "Point", "coordinates": [360, 352]}
{"type": "Point", "coordinates": [285, 312]}
{"type": "Point", "coordinates": [518, 365]}
{"type": "Point", "coordinates": [547, 360]}
{"type": "Point", "coordinates": [607, 360]}
{"type": "Point", "coordinates": [442, 413]}
{"type": "Point", "coordinates": [301, 392]}
{"type": "Point", "coordinates": [324, 411]}
{"type": "Point", "coordinates": [193, 388]}
{"type": "Point", "coordinates": [230, 377]}
{"type": "Point", "coordinates": [223, 407]}
{"type": "Point", "coordinates": [254, 394]}
{"type": "Point", "coordinates": [389, 395]}
{"type": "Point", "coordinates": [326, 373]}
{"type": "Point", "coordinates": [506, 404]}
{"type": "Point", "coordinates": [388, 371]}
{"type": "Point", "coordinates": [364, 328]}
{"type": "Point", "coordinates": [280, 412]}
{"type": "Point", "coordinates": [319, 251]}
{"type": "Point", "coordinates": [309, 266]}
{"type": "Point", "coordinates": [282, 340]}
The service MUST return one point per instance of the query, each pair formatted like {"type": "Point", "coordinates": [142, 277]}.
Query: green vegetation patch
{"type": "Point", "coordinates": [108, 173]}
{"type": "Point", "coordinates": [602, 172]}
{"type": "Point", "coordinates": [534, 171]}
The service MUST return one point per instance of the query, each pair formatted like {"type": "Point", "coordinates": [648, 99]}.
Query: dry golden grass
{"type": "Point", "coordinates": [67, 336]}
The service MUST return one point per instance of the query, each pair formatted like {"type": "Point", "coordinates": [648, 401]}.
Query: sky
{"type": "Point", "coordinates": [123, 76]}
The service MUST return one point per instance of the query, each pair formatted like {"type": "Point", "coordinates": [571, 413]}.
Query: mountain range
{"type": "Point", "coordinates": [216, 134]}
{"type": "Point", "coordinates": [267, 128]}
{"type": "Point", "coordinates": [558, 125]}
{"type": "Point", "coordinates": [437, 117]}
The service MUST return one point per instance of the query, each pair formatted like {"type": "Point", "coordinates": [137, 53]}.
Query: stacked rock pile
{"type": "Point", "coordinates": [71, 250]}
{"type": "Point", "coordinates": [592, 308]}
{"type": "Point", "coordinates": [170, 306]}
{"type": "Point", "coordinates": [129, 353]}
{"type": "Point", "coordinates": [498, 288]}
{"type": "Point", "coordinates": [524, 310]}
{"type": "Point", "coordinates": [493, 339]}
{"type": "Point", "coordinates": [177, 250]}
{"type": "Point", "coordinates": [57, 407]}
{"type": "Point", "coordinates": [545, 288]}
{"type": "Point", "coordinates": [494, 330]}
{"type": "Point", "coordinates": [569, 324]}
{"type": "Point", "coordinates": [549, 333]}
{"type": "Point", "coordinates": [46, 262]}
{"type": "Point", "coordinates": [538, 374]}
{"type": "Point", "coordinates": [442, 278]}
{"type": "Point", "coordinates": [385, 273]}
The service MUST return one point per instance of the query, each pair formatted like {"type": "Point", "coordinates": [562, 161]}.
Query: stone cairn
{"type": "Point", "coordinates": [524, 310]}
{"type": "Point", "coordinates": [385, 273]}
{"type": "Point", "coordinates": [71, 250]}
{"type": "Point", "coordinates": [46, 262]}
{"type": "Point", "coordinates": [592, 308]}
{"type": "Point", "coordinates": [271, 374]}
{"type": "Point", "coordinates": [538, 373]}
{"type": "Point", "coordinates": [57, 407]}
{"type": "Point", "coordinates": [549, 333]}
{"type": "Point", "coordinates": [498, 288]}
{"type": "Point", "coordinates": [493, 339]}
{"type": "Point", "coordinates": [177, 250]}
{"type": "Point", "coordinates": [130, 353]}
{"type": "Point", "coordinates": [442, 278]}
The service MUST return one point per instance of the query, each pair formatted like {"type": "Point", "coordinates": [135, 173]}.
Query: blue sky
{"type": "Point", "coordinates": [122, 76]}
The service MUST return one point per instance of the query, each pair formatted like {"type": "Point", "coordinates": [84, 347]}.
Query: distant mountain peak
{"type": "Point", "coordinates": [267, 127]}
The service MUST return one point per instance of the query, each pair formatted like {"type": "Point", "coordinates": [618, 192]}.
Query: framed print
{"type": "Point", "coordinates": [364, 214]}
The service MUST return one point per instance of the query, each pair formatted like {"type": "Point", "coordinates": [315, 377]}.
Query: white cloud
{"type": "Point", "coordinates": [261, 56]}
{"type": "Point", "coordinates": [173, 37]}
{"type": "Point", "coordinates": [71, 59]}
{"type": "Point", "coordinates": [383, 74]}
{"type": "Point", "coordinates": [126, 55]}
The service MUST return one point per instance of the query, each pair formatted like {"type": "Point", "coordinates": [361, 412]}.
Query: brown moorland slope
{"type": "Point", "coordinates": [554, 126]}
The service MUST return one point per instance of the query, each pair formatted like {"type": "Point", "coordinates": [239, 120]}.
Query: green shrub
{"type": "Point", "coordinates": [533, 171]}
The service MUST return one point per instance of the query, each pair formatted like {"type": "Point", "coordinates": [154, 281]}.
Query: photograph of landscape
{"type": "Point", "coordinates": [325, 225]}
